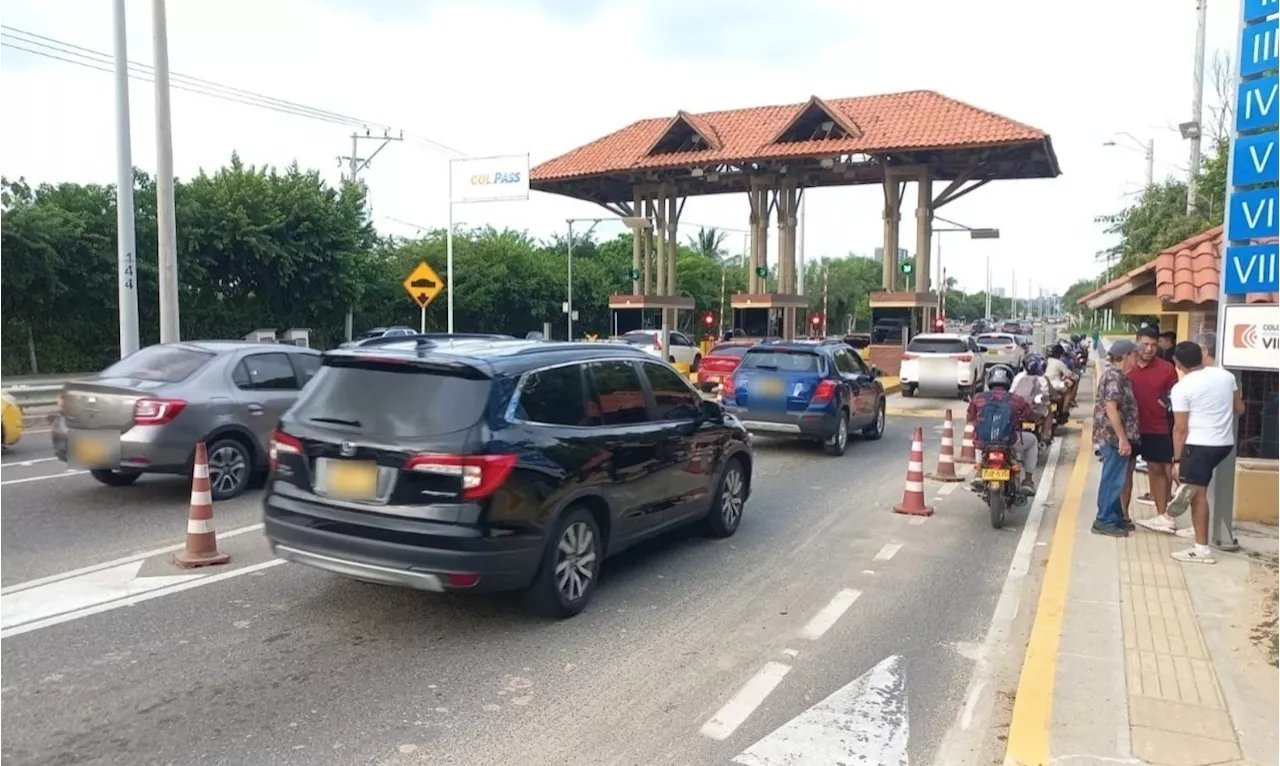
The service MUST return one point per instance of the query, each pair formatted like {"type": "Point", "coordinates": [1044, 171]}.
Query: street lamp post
{"type": "Point", "coordinates": [974, 233]}
{"type": "Point", "coordinates": [1148, 148]}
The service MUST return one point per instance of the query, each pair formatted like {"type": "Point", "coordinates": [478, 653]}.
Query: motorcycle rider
{"type": "Point", "coordinates": [1031, 385]}
{"type": "Point", "coordinates": [1061, 379]}
{"type": "Point", "coordinates": [1024, 446]}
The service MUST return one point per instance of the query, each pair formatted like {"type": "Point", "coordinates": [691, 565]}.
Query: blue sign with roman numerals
{"type": "Point", "coordinates": [1250, 266]}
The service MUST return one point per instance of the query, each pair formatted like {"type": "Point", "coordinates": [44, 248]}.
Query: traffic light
{"type": "Point", "coordinates": [635, 274]}
{"type": "Point", "coordinates": [815, 319]}
{"type": "Point", "coordinates": [907, 267]}
{"type": "Point", "coordinates": [709, 318]}
{"type": "Point", "coordinates": [762, 272]}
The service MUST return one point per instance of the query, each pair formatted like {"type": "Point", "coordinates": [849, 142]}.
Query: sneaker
{"type": "Point", "coordinates": [1128, 525]}
{"type": "Point", "coordinates": [1181, 500]}
{"type": "Point", "coordinates": [1109, 530]}
{"type": "Point", "coordinates": [1163, 524]}
{"type": "Point", "coordinates": [1190, 556]}
{"type": "Point", "coordinates": [1186, 533]}
{"type": "Point", "coordinates": [1027, 489]}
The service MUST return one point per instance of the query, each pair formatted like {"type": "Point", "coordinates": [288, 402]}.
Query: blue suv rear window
{"type": "Point", "coordinates": [782, 360]}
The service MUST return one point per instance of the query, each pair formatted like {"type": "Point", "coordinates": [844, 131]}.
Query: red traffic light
{"type": "Point", "coordinates": [815, 319]}
{"type": "Point", "coordinates": [709, 319]}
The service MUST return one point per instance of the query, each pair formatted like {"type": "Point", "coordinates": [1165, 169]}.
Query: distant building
{"type": "Point", "coordinates": [902, 254]}
{"type": "Point", "coordinates": [998, 292]}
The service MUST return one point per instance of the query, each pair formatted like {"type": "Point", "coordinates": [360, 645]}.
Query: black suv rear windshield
{"type": "Point", "coordinates": [164, 364]}
{"type": "Point", "coordinates": [937, 346]}
{"type": "Point", "coordinates": [782, 360]}
{"type": "Point", "coordinates": [394, 401]}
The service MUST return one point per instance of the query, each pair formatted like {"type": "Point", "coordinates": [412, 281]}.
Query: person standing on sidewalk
{"type": "Point", "coordinates": [1152, 379]}
{"type": "Point", "coordinates": [1206, 404]}
{"type": "Point", "coordinates": [1115, 430]}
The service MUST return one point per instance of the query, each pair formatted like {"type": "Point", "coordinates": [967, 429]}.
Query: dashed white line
{"type": "Point", "coordinates": [868, 571]}
{"type": "Point", "coordinates": [916, 521]}
{"type": "Point", "coordinates": [830, 614]}
{"type": "Point", "coordinates": [947, 489]}
{"type": "Point", "coordinates": [888, 551]}
{"type": "Point", "coordinates": [24, 463]}
{"type": "Point", "coordinates": [739, 708]}
{"type": "Point", "coordinates": [792, 653]}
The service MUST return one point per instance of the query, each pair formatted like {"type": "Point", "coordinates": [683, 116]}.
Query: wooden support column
{"type": "Point", "coordinates": [892, 201]}
{"type": "Point", "coordinates": [647, 240]}
{"type": "Point", "coordinates": [758, 212]}
{"type": "Point", "coordinates": [673, 248]}
{"type": "Point", "coordinates": [924, 231]}
{"type": "Point", "coordinates": [660, 243]}
{"type": "Point", "coordinates": [637, 245]}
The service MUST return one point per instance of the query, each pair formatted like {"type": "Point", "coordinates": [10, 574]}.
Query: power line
{"type": "Point", "coordinates": [51, 48]}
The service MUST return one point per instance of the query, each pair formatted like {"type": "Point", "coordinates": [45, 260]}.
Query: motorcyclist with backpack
{"type": "Point", "coordinates": [1032, 385]}
{"type": "Point", "coordinates": [997, 415]}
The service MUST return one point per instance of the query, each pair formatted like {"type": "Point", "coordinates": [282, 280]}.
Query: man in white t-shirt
{"type": "Point", "coordinates": [1206, 404]}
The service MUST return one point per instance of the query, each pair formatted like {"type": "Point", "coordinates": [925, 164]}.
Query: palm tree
{"type": "Point", "coordinates": [710, 242]}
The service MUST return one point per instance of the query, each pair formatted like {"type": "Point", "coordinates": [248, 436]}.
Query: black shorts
{"type": "Point", "coordinates": [1199, 462]}
{"type": "Point", "coordinates": [1155, 448]}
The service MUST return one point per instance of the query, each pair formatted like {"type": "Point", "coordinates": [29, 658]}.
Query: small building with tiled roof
{"type": "Point", "coordinates": [772, 154]}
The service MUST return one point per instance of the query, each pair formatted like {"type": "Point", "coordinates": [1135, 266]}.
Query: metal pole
{"type": "Point", "coordinates": [166, 226]}
{"type": "Point", "coordinates": [1150, 155]}
{"type": "Point", "coordinates": [422, 321]}
{"type": "Point", "coordinates": [988, 287]}
{"type": "Point", "coordinates": [800, 248]}
{"type": "Point", "coordinates": [127, 270]}
{"type": "Point", "coordinates": [826, 281]}
{"type": "Point", "coordinates": [569, 258]}
{"type": "Point", "coordinates": [448, 250]}
{"type": "Point", "coordinates": [720, 334]}
{"type": "Point", "coordinates": [1197, 104]}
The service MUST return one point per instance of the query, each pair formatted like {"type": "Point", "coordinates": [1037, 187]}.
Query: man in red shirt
{"type": "Point", "coordinates": [1152, 379]}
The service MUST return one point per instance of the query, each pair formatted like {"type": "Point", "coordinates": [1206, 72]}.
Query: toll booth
{"type": "Point", "coordinates": [896, 317]}
{"type": "Point", "coordinates": [264, 335]}
{"type": "Point", "coordinates": [644, 312]}
{"type": "Point", "coordinates": [298, 336]}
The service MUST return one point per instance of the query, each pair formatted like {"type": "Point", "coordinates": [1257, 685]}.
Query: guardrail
{"type": "Point", "coordinates": [36, 395]}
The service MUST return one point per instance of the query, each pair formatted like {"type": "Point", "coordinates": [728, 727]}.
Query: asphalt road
{"type": "Point", "coordinates": [287, 665]}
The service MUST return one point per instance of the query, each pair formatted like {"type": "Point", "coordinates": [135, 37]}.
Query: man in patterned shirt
{"type": "Point", "coordinates": [1115, 431]}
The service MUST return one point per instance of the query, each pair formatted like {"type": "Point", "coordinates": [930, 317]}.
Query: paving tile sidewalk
{"type": "Point", "coordinates": [1153, 663]}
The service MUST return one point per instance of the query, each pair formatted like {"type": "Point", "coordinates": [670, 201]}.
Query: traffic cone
{"type": "Point", "coordinates": [946, 470]}
{"type": "Point", "coordinates": [968, 453]}
{"type": "Point", "coordinates": [202, 541]}
{"type": "Point", "coordinates": [913, 493]}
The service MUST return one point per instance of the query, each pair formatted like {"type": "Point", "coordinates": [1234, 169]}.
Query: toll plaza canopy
{"type": "Point", "coordinates": [646, 170]}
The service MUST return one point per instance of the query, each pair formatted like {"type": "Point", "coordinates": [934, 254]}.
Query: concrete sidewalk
{"type": "Point", "coordinates": [1137, 658]}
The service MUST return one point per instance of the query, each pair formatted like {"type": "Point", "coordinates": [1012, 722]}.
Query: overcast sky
{"type": "Point", "coordinates": [544, 76]}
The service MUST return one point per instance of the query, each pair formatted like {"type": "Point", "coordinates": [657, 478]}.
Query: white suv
{"type": "Point", "coordinates": [936, 357]}
{"type": "Point", "coordinates": [682, 351]}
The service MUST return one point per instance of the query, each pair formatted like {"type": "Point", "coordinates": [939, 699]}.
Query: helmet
{"type": "Point", "coordinates": [999, 377]}
{"type": "Point", "coordinates": [1035, 364]}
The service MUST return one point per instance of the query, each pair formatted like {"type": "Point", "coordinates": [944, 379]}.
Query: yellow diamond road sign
{"type": "Point", "coordinates": [423, 284]}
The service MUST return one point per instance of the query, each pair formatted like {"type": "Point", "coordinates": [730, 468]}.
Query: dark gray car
{"type": "Point", "coordinates": [145, 413]}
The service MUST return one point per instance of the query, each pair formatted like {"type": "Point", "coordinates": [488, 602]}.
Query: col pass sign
{"type": "Point", "coordinates": [489, 179]}
{"type": "Point", "coordinates": [1250, 261]}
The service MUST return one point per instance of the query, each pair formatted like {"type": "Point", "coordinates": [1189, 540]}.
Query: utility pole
{"type": "Point", "coordinates": [988, 290]}
{"type": "Point", "coordinates": [1197, 105]}
{"type": "Point", "coordinates": [166, 226]}
{"type": "Point", "coordinates": [355, 164]}
{"type": "Point", "coordinates": [127, 268]}
{"type": "Point", "coordinates": [826, 278]}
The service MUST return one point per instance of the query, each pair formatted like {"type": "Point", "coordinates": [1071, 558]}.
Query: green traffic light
{"type": "Point", "coordinates": [907, 267]}
{"type": "Point", "coordinates": [762, 271]}
{"type": "Point", "coordinates": [635, 274]}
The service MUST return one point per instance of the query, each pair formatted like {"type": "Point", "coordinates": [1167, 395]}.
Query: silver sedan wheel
{"type": "Point", "coordinates": [731, 500]}
{"type": "Point", "coordinates": [575, 561]}
{"type": "Point", "coordinates": [227, 469]}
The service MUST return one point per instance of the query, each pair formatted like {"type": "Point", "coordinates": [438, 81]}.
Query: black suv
{"type": "Point", "coordinates": [497, 465]}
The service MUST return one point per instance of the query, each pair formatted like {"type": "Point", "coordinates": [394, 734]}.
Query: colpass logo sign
{"type": "Point", "coordinates": [1264, 337]}
{"type": "Point", "coordinates": [495, 179]}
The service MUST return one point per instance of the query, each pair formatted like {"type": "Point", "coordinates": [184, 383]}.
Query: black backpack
{"type": "Point", "coordinates": [995, 419]}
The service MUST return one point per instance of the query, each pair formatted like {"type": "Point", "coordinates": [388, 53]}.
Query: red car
{"type": "Point", "coordinates": [721, 362]}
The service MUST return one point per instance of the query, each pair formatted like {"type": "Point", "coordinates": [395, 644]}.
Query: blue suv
{"type": "Point", "coordinates": [820, 390]}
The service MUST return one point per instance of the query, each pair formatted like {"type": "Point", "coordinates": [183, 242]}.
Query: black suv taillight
{"type": "Point", "coordinates": [481, 475]}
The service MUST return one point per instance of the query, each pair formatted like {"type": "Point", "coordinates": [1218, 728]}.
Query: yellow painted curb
{"type": "Point", "coordinates": [1028, 743]}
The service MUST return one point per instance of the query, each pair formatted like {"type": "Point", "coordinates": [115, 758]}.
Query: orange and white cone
{"type": "Point", "coordinates": [946, 470]}
{"type": "Point", "coordinates": [968, 452]}
{"type": "Point", "coordinates": [202, 541]}
{"type": "Point", "coordinates": [913, 493]}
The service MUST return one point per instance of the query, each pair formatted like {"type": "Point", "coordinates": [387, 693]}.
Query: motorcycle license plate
{"type": "Point", "coordinates": [1029, 426]}
{"type": "Point", "coordinates": [995, 474]}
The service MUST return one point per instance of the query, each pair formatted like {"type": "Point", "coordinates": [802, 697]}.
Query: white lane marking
{"type": "Point", "coordinates": [792, 653]}
{"type": "Point", "coordinates": [863, 722]}
{"type": "Point", "coordinates": [868, 571]}
{"type": "Point", "coordinates": [962, 738]}
{"type": "Point", "coordinates": [117, 562]}
{"type": "Point", "coordinates": [888, 551]}
{"type": "Point", "coordinates": [830, 614]}
{"type": "Point", "coordinates": [63, 475]}
{"type": "Point", "coordinates": [80, 592]}
{"type": "Point", "coordinates": [916, 521]}
{"type": "Point", "coordinates": [947, 489]}
{"type": "Point", "coordinates": [740, 707]}
{"type": "Point", "coordinates": [25, 463]}
{"type": "Point", "coordinates": [138, 599]}
{"type": "Point", "coordinates": [37, 431]}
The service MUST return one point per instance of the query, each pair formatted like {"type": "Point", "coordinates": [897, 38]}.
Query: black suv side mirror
{"type": "Point", "coordinates": [875, 371]}
{"type": "Point", "coordinates": [711, 411]}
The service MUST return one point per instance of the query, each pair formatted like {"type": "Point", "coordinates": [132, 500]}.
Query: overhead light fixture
{"type": "Point", "coordinates": [828, 163]}
{"type": "Point", "coordinates": [984, 234]}
{"type": "Point", "coordinates": [696, 172]}
{"type": "Point", "coordinates": [828, 126]}
{"type": "Point", "coordinates": [1189, 129]}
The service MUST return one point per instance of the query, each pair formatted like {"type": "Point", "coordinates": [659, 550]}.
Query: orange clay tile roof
{"type": "Point", "coordinates": [1188, 272]}
{"type": "Point", "coordinates": [920, 119]}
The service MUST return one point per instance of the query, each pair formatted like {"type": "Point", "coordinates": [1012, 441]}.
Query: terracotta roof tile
{"type": "Point", "coordinates": [919, 119]}
{"type": "Point", "coordinates": [1188, 272]}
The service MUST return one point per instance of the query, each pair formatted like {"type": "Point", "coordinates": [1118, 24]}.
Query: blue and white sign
{"type": "Point", "coordinates": [1252, 214]}
{"type": "Point", "coordinates": [1256, 161]}
{"type": "Point", "coordinates": [1253, 269]}
{"type": "Point", "coordinates": [1259, 9]}
{"type": "Point", "coordinates": [1259, 48]}
{"type": "Point", "coordinates": [1257, 104]}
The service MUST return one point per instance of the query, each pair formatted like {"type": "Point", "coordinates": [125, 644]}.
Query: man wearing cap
{"type": "Point", "coordinates": [1115, 431]}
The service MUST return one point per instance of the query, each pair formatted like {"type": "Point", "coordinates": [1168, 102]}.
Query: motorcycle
{"type": "Point", "coordinates": [1047, 421]}
{"type": "Point", "coordinates": [999, 471]}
